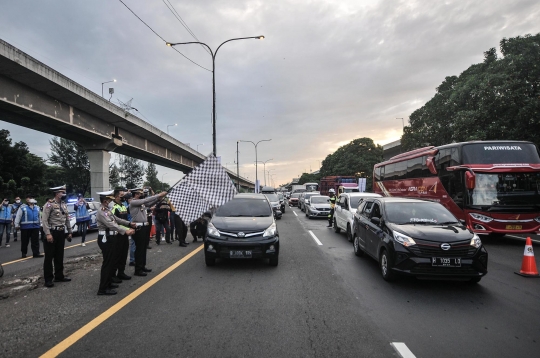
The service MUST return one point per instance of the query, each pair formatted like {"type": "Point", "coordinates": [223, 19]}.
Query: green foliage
{"type": "Point", "coordinates": [498, 99]}
{"type": "Point", "coordinates": [74, 162]}
{"type": "Point", "coordinates": [151, 177]}
{"type": "Point", "coordinates": [114, 176]}
{"type": "Point", "coordinates": [359, 156]}
{"type": "Point", "coordinates": [309, 178]}
{"type": "Point", "coordinates": [132, 171]}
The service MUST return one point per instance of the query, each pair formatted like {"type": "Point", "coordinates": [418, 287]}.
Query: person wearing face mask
{"type": "Point", "coordinates": [55, 221]}
{"type": "Point", "coordinates": [14, 208]}
{"type": "Point", "coordinates": [28, 221]}
{"type": "Point", "coordinates": [5, 220]}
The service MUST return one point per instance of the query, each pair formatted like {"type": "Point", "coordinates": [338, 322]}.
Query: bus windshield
{"type": "Point", "coordinates": [506, 189]}
{"type": "Point", "coordinates": [490, 153]}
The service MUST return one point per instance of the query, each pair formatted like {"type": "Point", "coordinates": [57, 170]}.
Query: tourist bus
{"type": "Point", "coordinates": [492, 186]}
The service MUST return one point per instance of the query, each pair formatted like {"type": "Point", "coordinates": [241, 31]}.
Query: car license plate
{"type": "Point", "coordinates": [240, 254]}
{"type": "Point", "coordinates": [514, 227]}
{"type": "Point", "coordinates": [446, 261]}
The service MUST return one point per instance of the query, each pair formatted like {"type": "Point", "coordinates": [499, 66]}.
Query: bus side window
{"type": "Point", "coordinates": [389, 172]}
{"type": "Point", "coordinates": [377, 173]}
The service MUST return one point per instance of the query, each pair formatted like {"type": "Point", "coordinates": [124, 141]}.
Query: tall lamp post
{"type": "Point", "coordinates": [264, 168]}
{"type": "Point", "coordinates": [402, 123]}
{"type": "Point", "coordinates": [256, 144]}
{"type": "Point", "coordinates": [198, 146]}
{"type": "Point", "coordinates": [102, 83]}
{"type": "Point", "coordinates": [213, 54]}
{"type": "Point", "coordinates": [171, 125]}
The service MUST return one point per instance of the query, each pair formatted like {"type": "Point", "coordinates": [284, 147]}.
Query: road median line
{"type": "Point", "coordinates": [83, 331]}
{"type": "Point", "coordinates": [315, 238]}
{"type": "Point", "coordinates": [402, 350]}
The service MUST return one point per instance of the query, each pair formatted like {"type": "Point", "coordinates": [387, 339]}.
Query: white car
{"type": "Point", "coordinates": [346, 208]}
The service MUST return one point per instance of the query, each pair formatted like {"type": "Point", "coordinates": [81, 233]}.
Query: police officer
{"type": "Point", "coordinates": [29, 221]}
{"type": "Point", "coordinates": [55, 222]}
{"type": "Point", "coordinates": [199, 226]}
{"type": "Point", "coordinates": [332, 195]}
{"type": "Point", "coordinates": [122, 240]}
{"type": "Point", "coordinates": [137, 209]}
{"type": "Point", "coordinates": [109, 226]}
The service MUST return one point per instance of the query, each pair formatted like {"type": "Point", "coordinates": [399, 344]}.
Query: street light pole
{"type": "Point", "coordinates": [162, 180]}
{"type": "Point", "coordinates": [256, 168]}
{"type": "Point", "coordinates": [214, 77]}
{"type": "Point", "coordinates": [237, 168]}
{"type": "Point", "coordinates": [264, 168]}
{"type": "Point", "coordinates": [198, 146]}
{"type": "Point", "coordinates": [102, 83]}
{"type": "Point", "coordinates": [403, 123]}
{"type": "Point", "coordinates": [171, 125]}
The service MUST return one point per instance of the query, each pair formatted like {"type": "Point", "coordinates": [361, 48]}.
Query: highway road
{"type": "Point", "coordinates": [321, 301]}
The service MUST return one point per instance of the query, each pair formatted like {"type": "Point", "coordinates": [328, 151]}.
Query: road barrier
{"type": "Point", "coordinates": [528, 266]}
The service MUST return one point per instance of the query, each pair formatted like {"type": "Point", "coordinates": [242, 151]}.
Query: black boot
{"type": "Point", "coordinates": [183, 244]}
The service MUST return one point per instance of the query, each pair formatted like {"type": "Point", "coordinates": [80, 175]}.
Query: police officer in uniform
{"type": "Point", "coordinates": [55, 221]}
{"type": "Point", "coordinates": [137, 209]}
{"type": "Point", "coordinates": [332, 195]}
{"type": "Point", "coordinates": [109, 231]}
{"type": "Point", "coordinates": [122, 240]}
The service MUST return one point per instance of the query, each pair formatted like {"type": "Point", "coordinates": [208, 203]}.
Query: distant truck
{"type": "Point", "coordinates": [298, 189]}
{"type": "Point", "coordinates": [341, 184]}
{"type": "Point", "coordinates": [311, 186]}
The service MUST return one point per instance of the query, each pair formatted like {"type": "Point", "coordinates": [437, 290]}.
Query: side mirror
{"type": "Point", "coordinates": [431, 165]}
{"type": "Point", "coordinates": [376, 221]}
{"type": "Point", "coordinates": [470, 180]}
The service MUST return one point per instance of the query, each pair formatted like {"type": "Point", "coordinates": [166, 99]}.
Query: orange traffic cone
{"type": "Point", "coordinates": [528, 267]}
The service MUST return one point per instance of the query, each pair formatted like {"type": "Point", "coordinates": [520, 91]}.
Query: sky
{"type": "Point", "coordinates": [326, 73]}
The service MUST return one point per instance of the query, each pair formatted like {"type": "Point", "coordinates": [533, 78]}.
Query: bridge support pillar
{"type": "Point", "coordinates": [99, 171]}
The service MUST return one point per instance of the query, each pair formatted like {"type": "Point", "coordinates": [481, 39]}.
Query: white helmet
{"type": "Point", "coordinates": [331, 191]}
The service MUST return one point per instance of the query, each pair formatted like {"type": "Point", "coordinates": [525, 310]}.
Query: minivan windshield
{"type": "Point", "coordinates": [419, 213]}
{"type": "Point", "coordinates": [272, 197]}
{"type": "Point", "coordinates": [295, 195]}
{"type": "Point", "coordinates": [245, 207]}
{"type": "Point", "coordinates": [320, 200]}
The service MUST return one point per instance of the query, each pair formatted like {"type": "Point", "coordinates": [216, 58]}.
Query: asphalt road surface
{"type": "Point", "coordinates": [321, 301]}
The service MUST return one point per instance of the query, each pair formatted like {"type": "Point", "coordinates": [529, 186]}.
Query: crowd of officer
{"type": "Point", "coordinates": [124, 223]}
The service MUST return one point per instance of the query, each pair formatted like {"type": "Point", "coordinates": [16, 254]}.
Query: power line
{"type": "Point", "coordinates": [183, 23]}
{"type": "Point", "coordinates": [162, 39]}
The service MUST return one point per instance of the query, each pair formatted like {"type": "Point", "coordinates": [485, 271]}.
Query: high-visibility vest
{"type": "Point", "coordinates": [29, 217]}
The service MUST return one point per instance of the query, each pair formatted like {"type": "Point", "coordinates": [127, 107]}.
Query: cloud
{"type": "Point", "coordinates": [325, 74]}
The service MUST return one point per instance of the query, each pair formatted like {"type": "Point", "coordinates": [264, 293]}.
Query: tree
{"type": "Point", "coordinates": [114, 176]}
{"type": "Point", "coordinates": [151, 177]}
{"type": "Point", "coordinates": [132, 171]}
{"type": "Point", "coordinates": [309, 178]}
{"type": "Point", "coordinates": [72, 158]}
{"type": "Point", "coordinates": [498, 99]}
{"type": "Point", "coordinates": [358, 156]}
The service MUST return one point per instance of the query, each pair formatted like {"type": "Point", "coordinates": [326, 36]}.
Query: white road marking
{"type": "Point", "coordinates": [294, 212]}
{"type": "Point", "coordinates": [523, 238]}
{"type": "Point", "coordinates": [402, 350]}
{"type": "Point", "coordinates": [315, 238]}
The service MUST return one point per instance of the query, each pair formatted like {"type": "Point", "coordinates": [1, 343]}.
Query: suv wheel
{"type": "Point", "coordinates": [386, 266]}
{"type": "Point", "coordinates": [336, 228]}
{"type": "Point", "coordinates": [356, 244]}
{"type": "Point", "coordinates": [349, 234]}
{"type": "Point", "coordinates": [274, 261]}
{"type": "Point", "coordinates": [210, 261]}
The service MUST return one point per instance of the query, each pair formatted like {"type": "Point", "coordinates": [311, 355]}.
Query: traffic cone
{"type": "Point", "coordinates": [528, 267]}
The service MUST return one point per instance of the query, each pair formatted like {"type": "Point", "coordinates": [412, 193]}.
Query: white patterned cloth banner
{"type": "Point", "coordinates": [207, 187]}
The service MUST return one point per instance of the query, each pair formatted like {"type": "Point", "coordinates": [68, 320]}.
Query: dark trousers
{"type": "Point", "coordinates": [171, 224]}
{"type": "Point", "coordinates": [331, 217]}
{"type": "Point", "coordinates": [83, 228]}
{"type": "Point", "coordinates": [141, 238]}
{"type": "Point", "coordinates": [159, 226]}
{"type": "Point", "coordinates": [181, 229]}
{"type": "Point", "coordinates": [5, 227]}
{"type": "Point", "coordinates": [197, 230]}
{"type": "Point", "coordinates": [32, 236]}
{"type": "Point", "coordinates": [54, 251]}
{"type": "Point", "coordinates": [121, 252]}
{"type": "Point", "coordinates": [107, 267]}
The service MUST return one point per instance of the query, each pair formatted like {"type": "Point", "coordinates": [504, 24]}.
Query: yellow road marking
{"type": "Point", "coordinates": [30, 257]}
{"type": "Point", "coordinates": [69, 341]}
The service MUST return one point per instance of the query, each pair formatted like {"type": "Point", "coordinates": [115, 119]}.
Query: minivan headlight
{"type": "Point", "coordinates": [212, 231]}
{"type": "Point", "coordinates": [476, 242]}
{"type": "Point", "coordinates": [271, 231]}
{"type": "Point", "coordinates": [480, 217]}
{"type": "Point", "coordinates": [404, 239]}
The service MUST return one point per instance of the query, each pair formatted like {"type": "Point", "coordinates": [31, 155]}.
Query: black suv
{"type": "Point", "coordinates": [243, 228]}
{"type": "Point", "coordinates": [417, 237]}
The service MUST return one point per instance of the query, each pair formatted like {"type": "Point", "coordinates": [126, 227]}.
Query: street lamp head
{"type": "Point", "coordinates": [261, 37]}
{"type": "Point", "coordinates": [114, 80]}
{"type": "Point", "coordinates": [169, 44]}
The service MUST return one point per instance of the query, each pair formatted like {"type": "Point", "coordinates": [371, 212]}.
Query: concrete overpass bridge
{"type": "Point", "coordinates": [35, 96]}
